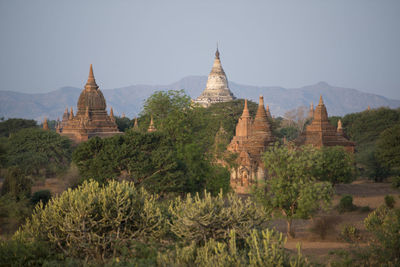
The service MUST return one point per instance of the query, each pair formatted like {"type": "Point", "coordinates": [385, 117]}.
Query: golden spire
{"type": "Point", "coordinates": [45, 124]}
{"type": "Point", "coordinates": [91, 82]}
{"type": "Point", "coordinates": [151, 128]}
{"type": "Point", "coordinates": [246, 112]}
{"type": "Point", "coordinates": [261, 110]}
{"type": "Point", "coordinates": [71, 114]}
{"type": "Point", "coordinates": [111, 112]}
{"type": "Point", "coordinates": [321, 102]}
{"type": "Point", "coordinates": [136, 125]}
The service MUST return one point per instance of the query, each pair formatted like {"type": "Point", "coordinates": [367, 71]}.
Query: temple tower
{"type": "Point", "coordinates": [251, 139]}
{"type": "Point", "coordinates": [217, 89]}
{"type": "Point", "coordinates": [151, 128]}
{"type": "Point", "coordinates": [45, 124]}
{"type": "Point", "coordinates": [91, 119]}
{"type": "Point", "coordinates": [321, 133]}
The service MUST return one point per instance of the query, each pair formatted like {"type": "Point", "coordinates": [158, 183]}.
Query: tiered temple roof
{"type": "Point", "coordinates": [217, 89]}
{"type": "Point", "coordinates": [91, 118]}
{"type": "Point", "coordinates": [251, 140]}
{"type": "Point", "coordinates": [321, 133]}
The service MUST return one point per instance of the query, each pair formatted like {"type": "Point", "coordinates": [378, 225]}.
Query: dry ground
{"type": "Point", "coordinates": [365, 193]}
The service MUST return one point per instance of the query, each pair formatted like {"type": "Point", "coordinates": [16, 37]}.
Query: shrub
{"type": "Point", "coordinates": [350, 234]}
{"type": "Point", "coordinates": [396, 181]}
{"type": "Point", "coordinates": [384, 225]}
{"type": "Point", "coordinates": [323, 225]}
{"type": "Point", "coordinates": [13, 213]}
{"type": "Point", "coordinates": [198, 219]}
{"type": "Point", "coordinates": [263, 248]}
{"type": "Point", "coordinates": [93, 221]}
{"type": "Point", "coordinates": [365, 209]}
{"type": "Point", "coordinates": [390, 201]}
{"type": "Point", "coordinates": [42, 195]}
{"type": "Point", "coordinates": [346, 204]}
{"type": "Point", "coordinates": [16, 184]}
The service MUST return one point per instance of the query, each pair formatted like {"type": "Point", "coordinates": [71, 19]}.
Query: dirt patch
{"type": "Point", "coordinates": [365, 193]}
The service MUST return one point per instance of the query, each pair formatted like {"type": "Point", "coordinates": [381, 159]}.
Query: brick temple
{"type": "Point", "coordinates": [251, 140]}
{"type": "Point", "coordinates": [321, 133]}
{"type": "Point", "coordinates": [91, 118]}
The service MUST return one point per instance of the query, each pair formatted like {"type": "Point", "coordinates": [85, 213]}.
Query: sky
{"type": "Point", "coordinates": [48, 44]}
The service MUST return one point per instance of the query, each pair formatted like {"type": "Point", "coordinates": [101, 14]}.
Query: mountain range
{"type": "Point", "coordinates": [129, 100]}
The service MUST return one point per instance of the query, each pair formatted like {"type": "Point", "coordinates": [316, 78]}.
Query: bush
{"type": "Point", "coordinates": [13, 213]}
{"type": "Point", "coordinates": [365, 209]}
{"type": "Point", "coordinates": [16, 184]}
{"type": "Point", "coordinates": [396, 181]}
{"type": "Point", "coordinates": [42, 195]}
{"type": "Point", "coordinates": [323, 225]}
{"type": "Point", "coordinates": [350, 234]}
{"type": "Point", "coordinates": [346, 204]}
{"type": "Point", "coordinates": [384, 225]}
{"type": "Point", "coordinates": [93, 221]}
{"type": "Point", "coordinates": [263, 248]}
{"type": "Point", "coordinates": [199, 219]}
{"type": "Point", "coordinates": [390, 201]}
{"type": "Point", "coordinates": [18, 253]}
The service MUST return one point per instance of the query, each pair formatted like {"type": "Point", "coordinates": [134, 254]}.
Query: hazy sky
{"type": "Point", "coordinates": [45, 45]}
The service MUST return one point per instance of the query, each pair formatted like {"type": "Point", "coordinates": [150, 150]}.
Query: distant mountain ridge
{"type": "Point", "coordinates": [130, 99]}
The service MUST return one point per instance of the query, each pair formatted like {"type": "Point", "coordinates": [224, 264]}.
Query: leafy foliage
{"type": "Point", "coordinates": [41, 196]}
{"type": "Point", "coordinates": [148, 160]}
{"type": "Point", "coordinates": [123, 123]}
{"type": "Point", "coordinates": [38, 152]}
{"type": "Point", "coordinates": [384, 225]}
{"type": "Point", "coordinates": [365, 129]}
{"type": "Point", "coordinates": [18, 253]}
{"type": "Point", "coordinates": [291, 188]}
{"type": "Point", "coordinates": [199, 219]}
{"type": "Point", "coordinates": [13, 213]}
{"type": "Point", "coordinates": [263, 248]}
{"type": "Point", "coordinates": [350, 234]}
{"type": "Point", "coordinates": [390, 201]}
{"type": "Point", "coordinates": [11, 126]}
{"type": "Point", "coordinates": [346, 204]}
{"type": "Point", "coordinates": [16, 184]}
{"type": "Point", "coordinates": [335, 165]}
{"type": "Point", "coordinates": [93, 221]}
{"type": "Point", "coordinates": [388, 148]}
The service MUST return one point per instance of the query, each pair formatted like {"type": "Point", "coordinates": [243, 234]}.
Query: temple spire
{"type": "Point", "coordinates": [91, 82]}
{"type": "Point", "coordinates": [136, 125]}
{"type": "Point", "coordinates": [151, 128]}
{"type": "Point", "coordinates": [268, 112]}
{"type": "Point", "coordinates": [217, 52]}
{"type": "Point", "coordinates": [45, 124]}
{"type": "Point", "coordinates": [261, 110]}
{"type": "Point", "coordinates": [246, 112]}
{"type": "Point", "coordinates": [321, 101]}
{"type": "Point", "coordinates": [111, 113]}
{"type": "Point", "coordinates": [71, 114]}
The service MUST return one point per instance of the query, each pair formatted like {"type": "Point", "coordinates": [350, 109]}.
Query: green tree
{"type": "Point", "coordinates": [10, 126]}
{"type": "Point", "coordinates": [38, 152]}
{"type": "Point", "coordinates": [198, 218]}
{"type": "Point", "coordinates": [147, 159]}
{"type": "Point", "coordinates": [123, 123]}
{"type": "Point", "coordinates": [388, 149]}
{"type": "Point", "coordinates": [16, 184]}
{"type": "Point", "coordinates": [335, 165]}
{"type": "Point", "coordinates": [291, 187]}
{"type": "Point", "coordinates": [384, 225]}
{"type": "Point", "coordinates": [95, 222]}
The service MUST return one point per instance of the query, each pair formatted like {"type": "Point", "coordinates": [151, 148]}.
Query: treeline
{"type": "Point", "coordinates": [377, 136]}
